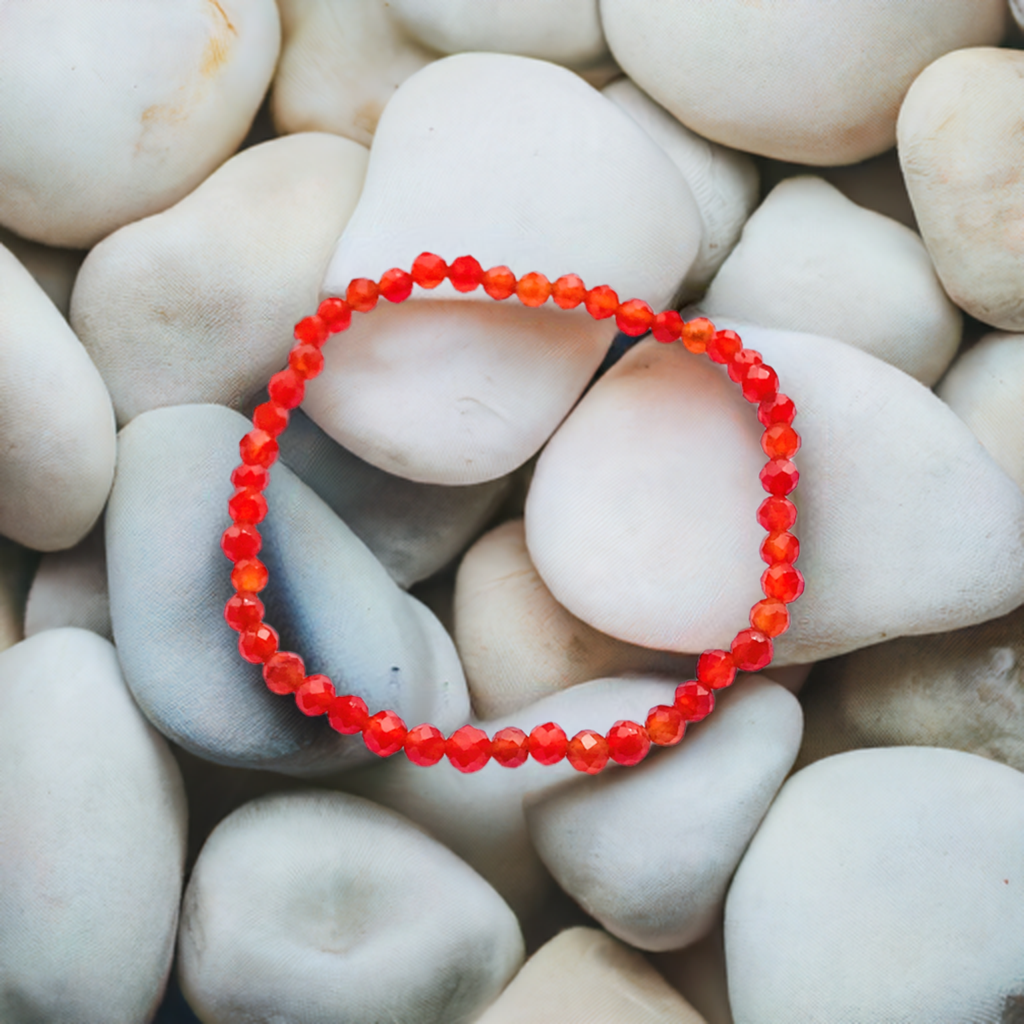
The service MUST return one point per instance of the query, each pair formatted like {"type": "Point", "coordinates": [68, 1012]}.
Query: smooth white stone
{"type": "Point", "coordinates": [197, 303]}
{"type": "Point", "coordinates": [584, 976]}
{"type": "Point", "coordinates": [808, 260]}
{"type": "Point", "coordinates": [55, 417]}
{"type": "Point", "coordinates": [985, 388]}
{"type": "Point", "coordinates": [662, 886]}
{"type": "Point", "coordinates": [784, 80]}
{"type": "Point", "coordinates": [331, 600]}
{"type": "Point", "coordinates": [521, 158]}
{"type": "Point", "coordinates": [93, 817]}
{"type": "Point", "coordinates": [883, 885]}
{"type": "Point", "coordinates": [54, 269]}
{"type": "Point", "coordinates": [961, 150]}
{"type": "Point", "coordinates": [517, 644]}
{"type": "Point", "coordinates": [640, 515]}
{"type": "Point", "coordinates": [330, 907]}
{"type": "Point", "coordinates": [113, 111]}
{"type": "Point", "coordinates": [723, 181]}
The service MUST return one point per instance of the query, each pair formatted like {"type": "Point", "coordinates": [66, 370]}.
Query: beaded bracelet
{"type": "Point", "coordinates": [470, 748]}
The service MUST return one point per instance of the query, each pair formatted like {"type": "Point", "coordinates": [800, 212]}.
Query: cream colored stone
{"type": "Point", "coordinates": [962, 153]}
{"type": "Point", "coordinates": [115, 109]}
{"type": "Point", "coordinates": [791, 81]}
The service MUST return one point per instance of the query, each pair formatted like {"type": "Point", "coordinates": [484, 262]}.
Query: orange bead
{"type": "Point", "coordinates": [694, 700]}
{"type": "Point", "coordinates": [510, 747]}
{"type": "Point", "coordinates": [256, 477]}
{"type": "Point", "coordinates": [312, 330]}
{"type": "Point", "coordinates": [634, 317]}
{"type": "Point", "coordinates": [588, 751]}
{"type": "Point", "coordinates": [724, 347]}
{"type": "Point", "coordinates": [533, 289]}
{"type": "Point", "coordinates": [348, 714]}
{"type": "Point", "coordinates": [741, 362]}
{"type": "Point", "coordinates": [428, 270]}
{"type": "Point", "coordinates": [770, 616]}
{"type": "Point", "coordinates": [667, 326]}
{"type": "Point", "coordinates": [780, 441]}
{"type": "Point", "coordinates": [243, 611]}
{"type": "Point", "coordinates": [306, 360]}
{"type": "Point", "coordinates": [257, 643]}
{"type": "Point", "coordinates": [468, 749]}
{"type": "Point", "coordinates": [499, 282]}
{"type": "Point", "coordinates": [395, 285]}
{"type": "Point", "coordinates": [315, 695]}
{"type": "Point", "coordinates": [696, 334]}
{"type": "Point", "coordinates": [362, 294]}
{"type": "Point", "coordinates": [424, 745]}
{"type": "Point", "coordinates": [751, 650]}
{"type": "Point", "coordinates": [335, 313]}
{"type": "Point", "coordinates": [384, 733]}
{"type": "Point", "coordinates": [284, 672]}
{"type": "Point", "coordinates": [548, 743]}
{"type": "Point", "coordinates": [759, 383]}
{"type": "Point", "coordinates": [240, 541]}
{"type": "Point", "coordinates": [249, 574]}
{"type": "Point", "coordinates": [779, 477]}
{"type": "Point", "coordinates": [776, 514]}
{"type": "Point", "coordinates": [258, 448]}
{"type": "Point", "coordinates": [628, 742]}
{"type": "Point", "coordinates": [779, 409]}
{"type": "Point", "coordinates": [286, 388]}
{"type": "Point", "coordinates": [780, 547]}
{"type": "Point", "coordinates": [271, 417]}
{"type": "Point", "coordinates": [465, 274]}
{"type": "Point", "coordinates": [665, 725]}
{"type": "Point", "coordinates": [601, 302]}
{"type": "Point", "coordinates": [782, 581]}
{"type": "Point", "coordinates": [247, 505]}
{"type": "Point", "coordinates": [715, 669]}
{"type": "Point", "coordinates": [568, 291]}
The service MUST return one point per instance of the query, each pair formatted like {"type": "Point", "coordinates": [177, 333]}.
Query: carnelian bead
{"type": "Point", "coordinates": [665, 725]}
{"type": "Point", "coordinates": [696, 334]}
{"type": "Point", "coordinates": [256, 477]}
{"type": "Point", "coordinates": [336, 314]}
{"type": "Point", "coordinates": [287, 388]}
{"type": "Point", "coordinates": [715, 669]}
{"type": "Point", "coordinates": [568, 291]}
{"type": "Point", "coordinates": [780, 547]}
{"type": "Point", "coordinates": [395, 285]}
{"type": "Point", "coordinates": [271, 417]}
{"type": "Point", "coordinates": [249, 574]}
{"type": "Point", "coordinates": [243, 611]}
{"type": "Point", "coordinates": [510, 747]}
{"type": "Point", "coordinates": [257, 643]}
{"type": "Point", "coordinates": [306, 360]}
{"type": "Point", "coordinates": [258, 448]}
{"type": "Point", "coordinates": [362, 294]}
{"type": "Point", "coordinates": [314, 695]}
{"type": "Point", "coordinates": [468, 749]}
{"type": "Point", "coordinates": [741, 362]}
{"type": "Point", "coordinates": [424, 744]}
{"type": "Point", "coordinates": [776, 513]}
{"type": "Point", "coordinates": [499, 282]}
{"type": "Point", "coordinates": [240, 541]}
{"type": "Point", "coordinates": [384, 733]}
{"type": "Point", "coordinates": [247, 505]}
{"type": "Point", "coordinates": [724, 346]}
{"type": "Point", "coordinates": [779, 409]}
{"type": "Point", "coordinates": [694, 700]}
{"type": "Point", "coordinates": [601, 302]}
{"type": "Point", "coordinates": [548, 743]}
{"type": "Point", "coordinates": [760, 383]}
{"type": "Point", "coordinates": [465, 274]}
{"type": "Point", "coordinates": [428, 270]}
{"type": "Point", "coordinates": [634, 317]}
{"type": "Point", "coordinates": [533, 289]}
{"type": "Point", "coordinates": [751, 650]}
{"type": "Point", "coordinates": [782, 581]}
{"type": "Point", "coordinates": [284, 672]}
{"type": "Point", "coordinates": [311, 330]}
{"type": "Point", "coordinates": [779, 477]}
{"type": "Point", "coordinates": [667, 326]}
{"type": "Point", "coordinates": [628, 742]}
{"type": "Point", "coordinates": [588, 751]}
{"type": "Point", "coordinates": [780, 441]}
{"type": "Point", "coordinates": [770, 616]}
{"type": "Point", "coordinates": [348, 714]}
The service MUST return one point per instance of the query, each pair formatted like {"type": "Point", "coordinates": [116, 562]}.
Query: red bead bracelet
{"type": "Point", "coordinates": [470, 748]}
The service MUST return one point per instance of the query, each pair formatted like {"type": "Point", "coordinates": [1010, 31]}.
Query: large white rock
{"type": "Point", "coordinates": [791, 81]}
{"type": "Point", "coordinates": [57, 462]}
{"type": "Point", "coordinates": [649, 852]}
{"type": "Point", "coordinates": [961, 151]}
{"type": "Point", "coordinates": [328, 906]}
{"type": "Point", "coordinates": [514, 161]}
{"type": "Point", "coordinates": [640, 517]}
{"type": "Point", "coordinates": [197, 304]}
{"type": "Point", "coordinates": [884, 885]}
{"type": "Point", "coordinates": [115, 110]}
{"type": "Point", "coordinates": [93, 820]}
{"type": "Point", "coordinates": [810, 260]}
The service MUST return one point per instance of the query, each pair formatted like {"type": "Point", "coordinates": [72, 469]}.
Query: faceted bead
{"type": "Point", "coordinates": [724, 346]}
{"type": "Point", "coordinates": [779, 477]}
{"type": "Point", "coordinates": [751, 650]}
{"type": "Point", "coordinates": [770, 616]}
{"type": "Point", "coordinates": [284, 672]}
{"type": "Point", "coordinates": [465, 274]}
{"type": "Point", "coordinates": [249, 574]}
{"type": "Point", "coordinates": [258, 448]}
{"type": "Point", "coordinates": [779, 409]}
{"type": "Point", "coordinates": [311, 330]}
{"type": "Point", "coordinates": [243, 611]}
{"type": "Point", "coordinates": [776, 513]}
{"type": "Point", "coordinates": [499, 282]}
{"type": "Point", "coordinates": [315, 695]}
{"type": "Point", "coordinates": [306, 360]}
{"type": "Point", "coordinates": [348, 714]}
{"type": "Point", "coordinates": [257, 643]}
{"type": "Point", "coordinates": [568, 291]}
{"type": "Point", "coordinates": [780, 547]}
{"type": "Point", "coordinates": [715, 669]}
{"type": "Point", "coordinates": [743, 361]}
{"type": "Point", "coordinates": [247, 505]}
{"type": "Point", "coordinates": [256, 477]}
{"type": "Point", "coordinates": [780, 441]}
{"type": "Point", "coordinates": [271, 417]}
{"type": "Point", "coordinates": [601, 302]}
{"type": "Point", "coordinates": [240, 541]}
{"type": "Point", "coordinates": [428, 270]}
{"type": "Point", "coordinates": [287, 388]}
{"type": "Point", "coordinates": [760, 383]}
{"type": "Point", "coordinates": [782, 581]}
{"type": "Point", "coordinates": [667, 326]}
{"type": "Point", "coordinates": [548, 743]}
{"type": "Point", "coordinates": [362, 294]}
{"type": "Point", "coordinates": [336, 314]}
{"type": "Point", "coordinates": [634, 317]}
{"type": "Point", "coordinates": [588, 751]}
{"type": "Point", "coordinates": [628, 742]}
{"type": "Point", "coordinates": [384, 733]}
{"type": "Point", "coordinates": [395, 285]}
{"type": "Point", "coordinates": [424, 745]}
{"type": "Point", "coordinates": [533, 289]}
{"type": "Point", "coordinates": [665, 725]}
{"type": "Point", "coordinates": [468, 749]}
{"type": "Point", "coordinates": [694, 700]}
{"type": "Point", "coordinates": [510, 747]}
{"type": "Point", "coordinates": [696, 334]}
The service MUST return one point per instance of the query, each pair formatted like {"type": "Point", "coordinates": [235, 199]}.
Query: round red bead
{"type": "Point", "coordinates": [348, 714]}
{"type": "Point", "coordinates": [779, 409]}
{"type": "Point", "coordinates": [257, 643]}
{"type": "Point", "coordinates": [510, 747]}
{"type": "Point", "coordinates": [780, 441]}
{"type": "Point", "coordinates": [533, 289]}
{"type": "Point", "coordinates": [314, 695]}
{"type": "Point", "coordinates": [499, 282]}
{"type": "Point", "coordinates": [468, 749]}
{"type": "Point", "coordinates": [665, 725]}
{"type": "Point", "coordinates": [249, 574]}
{"type": "Point", "coordinates": [751, 650]}
{"type": "Point", "coordinates": [779, 477]}
{"type": "Point", "coordinates": [667, 326]}
{"type": "Point", "coordinates": [284, 672]}
{"type": "Point", "coordinates": [424, 744]}
{"type": "Point", "coordinates": [271, 417]}
{"type": "Point", "coordinates": [243, 611]}
{"type": "Point", "coordinates": [628, 742]}
{"type": "Point", "coordinates": [694, 700]}
{"type": "Point", "coordinates": [724, 346]}
{"type": "Point", "coordinates": [247, 505]}
{"type": "Point", "coordinates": [588, 751]}
{"type": "Point", "coordinates": [311, 330]}
{"type": "Point", "coordinates": [776, 513]}
{"type": "Point", "coordinates": [256, 477]}
{"type": "Point", "coordinates": [770, 616]}
{"type": "Point", "coordinates": [258, 448]}
{"type": "Point", "coordinates": [240, 541]}
{"type": "Point", "coordinates": [601, 302]}
{"type": "Point", "coordinates": [780, 547]}
{"type": "Point", "coordinates": [741, 362]}
{"type": "Point", "coordinates": [715, 669]}
{"type": "Point", "coordinates": [395, 285]}
{"type": "Point", "coordinates": [362, 294]}
{"type": "Point", "coordinates": [696, 334]}
{"type": "Point", "coordinates": [568, 291]}
{"type": "Point", "coordinates": [287, 388]}
{"type": "Point", "coordinates": [336, 314]}
{"type": "Point", "coordinates": [306, 360]}
{"type": "Point", "coordinates": [634, 317]}
{"type": "Point", "coordinates": [428, 270]}
{"type": "Point", "coordinates": [465, 274]}
{"type": "Point", "coordinates": [548, 743]}
{"type": "Point", "coordinates": [782, 581]}
{"type": "Point", "coordinates": [759, 383]}
{"type": "Point", "coordinates": [384, 733]}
